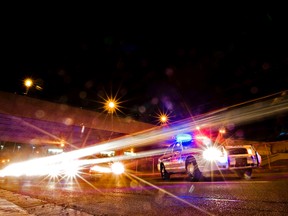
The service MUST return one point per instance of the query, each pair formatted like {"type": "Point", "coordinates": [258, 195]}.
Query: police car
{"type": "Point", "coordinates": [198, 157]}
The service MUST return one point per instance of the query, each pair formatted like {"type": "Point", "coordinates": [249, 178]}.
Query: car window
{"type": "Point", "coordinates": [169, 149]}
{"type": "Point", "coordinates": [177, 147]}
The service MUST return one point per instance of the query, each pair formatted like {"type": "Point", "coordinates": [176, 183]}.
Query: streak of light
{"type": "Point", "coordinates": [57, 165]}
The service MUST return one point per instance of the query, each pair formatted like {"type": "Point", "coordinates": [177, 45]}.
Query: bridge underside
{"type": "Point", "coordinates": [36, 132]}
{"type": "Point", "coordinates": [32, 121]}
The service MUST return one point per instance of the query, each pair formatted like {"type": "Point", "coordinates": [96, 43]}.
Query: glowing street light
{"type": "Point", "coordinates": [163, 118]}
{"type": "Point", "coordinates": [28, 83]}
{"type": "Point", "coordinates": [221, 137]}
{"type": "Point", "coordinates": [222, 131]}
{"type": "Point", "coordinates": [111, 105]}
{"type": "Point", "coordinates": [62, 143]}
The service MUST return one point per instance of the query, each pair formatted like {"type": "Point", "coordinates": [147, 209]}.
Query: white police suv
{"type": "Point", "coordinates": [199, 157]}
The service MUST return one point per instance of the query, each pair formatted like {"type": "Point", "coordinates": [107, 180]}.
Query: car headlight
{"type": "Point", "coordinates": [214, 153]}
{"type": "Point", "coordinates": [117, 168]}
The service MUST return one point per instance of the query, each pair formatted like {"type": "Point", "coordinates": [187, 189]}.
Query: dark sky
{"type": "Point", "coordinates": [184, 60]}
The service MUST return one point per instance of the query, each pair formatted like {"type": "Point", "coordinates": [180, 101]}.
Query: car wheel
{"type": "Point", "coordinates": [248, 174]}
{"type": "Point", "coordinates": [164, 174]}
{"type": "Point", "coordinates": [192, 170]}
{"type": "Point", "coordinates": [245, 173]}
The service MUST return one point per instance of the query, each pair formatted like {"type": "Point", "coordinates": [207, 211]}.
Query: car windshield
{"type": "Point", "coordinates": [177, 147]}
{"type": "Point", "coordinates": [237, 151]}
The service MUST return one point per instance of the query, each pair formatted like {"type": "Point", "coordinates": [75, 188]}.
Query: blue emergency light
{"type": "Point", "coordinates": [183, 138]}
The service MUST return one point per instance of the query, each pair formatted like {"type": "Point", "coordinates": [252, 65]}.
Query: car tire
{"type": "Point", "coordinates": [248, 174]}
{"type": "Point", "coordinates": [192, 170]}
{"type": "Point", "coordinates": [164, 174]}
{"type": "Point", "coordinates": [245, 173]}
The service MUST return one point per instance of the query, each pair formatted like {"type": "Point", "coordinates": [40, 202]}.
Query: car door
{"type": "Point", "coordinates": [176, 163]}
{"type": "Point", "coordinates": [167, 157]}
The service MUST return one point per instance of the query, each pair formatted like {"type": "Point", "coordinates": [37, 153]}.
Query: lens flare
{"type": "Point", "coordinates": [211, 154]}
{"type": "Point", "coordinates": [117, 168]}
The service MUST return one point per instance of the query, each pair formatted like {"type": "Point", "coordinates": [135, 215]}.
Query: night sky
{"type": "Point", "coordinates": [183, 61]}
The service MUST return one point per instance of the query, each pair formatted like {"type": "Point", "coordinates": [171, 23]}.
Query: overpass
{"type": "Point", "coordinates": [32, 121]}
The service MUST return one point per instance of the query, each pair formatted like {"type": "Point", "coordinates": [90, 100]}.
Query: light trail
{"type": "Point", "coordinates": [247, 113]}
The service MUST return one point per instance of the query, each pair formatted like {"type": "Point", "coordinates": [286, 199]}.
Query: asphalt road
{"type": "Point", "coordinates": [264, 194]}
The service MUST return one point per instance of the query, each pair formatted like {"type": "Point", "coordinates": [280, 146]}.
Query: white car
{"type": "Point", "coordinates": [186, 156]}
{"type": "Point", "coordinates": [243, 159]}
{"type": "Point", "coordinates": [101, 164]}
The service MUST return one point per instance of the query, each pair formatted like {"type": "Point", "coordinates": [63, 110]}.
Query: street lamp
{"type": "Point", "coordinates": [163, 118]}
{"type": "Point", "coordinates": [62, 143]}
{"type": "Point", "coordinates": [222, 131]}
{"type": "Point", "coordinates": [28, 83]}
{"type": "Point", "coordinates": [111, 105]}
